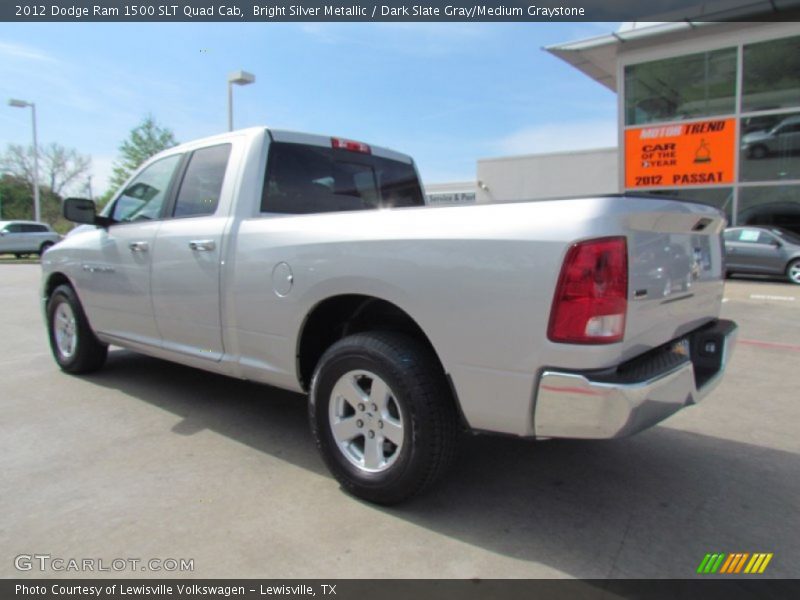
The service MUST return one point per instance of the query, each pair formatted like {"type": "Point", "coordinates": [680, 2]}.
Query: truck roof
{"type": "Point", "coordinates": [284, 135]}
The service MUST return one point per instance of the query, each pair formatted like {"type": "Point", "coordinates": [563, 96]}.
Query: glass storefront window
{"type": "Point", "coordinates": [771, 75]}
{"type": "Point", "coordinates": [777, 206]}
{"type": "Point", "coordinates": [721, 198]}
{"type": "Point", "coordinates": [770, 147]}
{"type": "Point", "coordinates": [685, 87]}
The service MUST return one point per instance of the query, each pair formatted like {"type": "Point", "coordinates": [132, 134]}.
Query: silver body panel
{"type": "Point", "coordinates": [478, 280]}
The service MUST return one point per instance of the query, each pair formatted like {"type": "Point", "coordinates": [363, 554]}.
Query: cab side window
{"type": "Point", "coordinates": [144, 197]}
{"type": "Point", "coordinates": [202, 182]}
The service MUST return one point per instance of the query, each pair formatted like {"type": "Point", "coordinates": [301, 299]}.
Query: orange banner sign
{"type": "Point", "coordinates": [700, 153]}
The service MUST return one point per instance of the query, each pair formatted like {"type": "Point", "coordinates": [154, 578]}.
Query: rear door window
{"type": "Point", "coordinates": [749, 235]}
{"type": "Point", "coordinates": [202, 183]}
{"type": "Point", "coordinates": [303, 179]}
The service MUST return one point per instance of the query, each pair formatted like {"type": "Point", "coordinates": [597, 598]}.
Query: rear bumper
{"type": "Point", "coordinates": [619, 402]}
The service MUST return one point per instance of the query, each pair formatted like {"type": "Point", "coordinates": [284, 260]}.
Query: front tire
{"type": "Point", "coordinates": [793, 271]}
{"type": "Point", "coordinates": [73, 343]}
{"type": "Point", "coordinates": [45, 247]}
{"type": "Point", "coordinates": [382, 416]}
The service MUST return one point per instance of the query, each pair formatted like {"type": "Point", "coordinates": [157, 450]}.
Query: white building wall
{"type": "Point", "coordinates": [542, 176]}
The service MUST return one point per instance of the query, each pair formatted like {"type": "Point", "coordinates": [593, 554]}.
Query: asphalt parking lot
{"type": "Point", "coordinates": [146, 459]}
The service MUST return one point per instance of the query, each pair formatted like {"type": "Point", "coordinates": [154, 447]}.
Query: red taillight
{"type": "Point", "coordinates": [350, 145]}
{"type": "Point", "coordinates": [591, 299]}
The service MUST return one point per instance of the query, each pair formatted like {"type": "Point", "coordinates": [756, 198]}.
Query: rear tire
{"type": "Point", "coordinates": [73, 343]}
{"type": "Point", "coordinates": [793, 271]}
{"type": "Point", "coordinates": [382, 416]}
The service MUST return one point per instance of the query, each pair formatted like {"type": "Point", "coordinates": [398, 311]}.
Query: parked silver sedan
{"type": "Point", "coordinates": [762, 251]}
{"type": "Point", "coordinates": [782, 138]}
{"type": "Point", "coordinates": [26, 237]}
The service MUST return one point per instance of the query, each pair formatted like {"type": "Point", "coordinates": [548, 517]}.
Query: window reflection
{"type": "Point", "coordinates": [684, 87]}
{"type": "Point", "coordinates": [777, 206]}
{"type": "Point", "coordinates": [770, 147]}
{"type": "Point", "coordinates": [771, 75]}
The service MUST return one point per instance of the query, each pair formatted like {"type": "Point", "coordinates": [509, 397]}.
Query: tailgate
{"type": "Point", "coordinates": [676, 270]}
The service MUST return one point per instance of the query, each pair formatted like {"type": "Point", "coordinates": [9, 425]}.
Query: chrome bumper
{"type": "Point", "coordinates": [621, 402]}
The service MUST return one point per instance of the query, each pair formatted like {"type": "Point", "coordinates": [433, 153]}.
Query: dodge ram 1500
{"type": "Point", "coordinates": [311, 263]}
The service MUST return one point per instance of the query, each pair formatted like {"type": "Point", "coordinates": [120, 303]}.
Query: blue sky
{"type": "Point", "coordinates": [446, 93]}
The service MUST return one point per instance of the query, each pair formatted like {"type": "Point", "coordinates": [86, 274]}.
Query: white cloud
{"type": "Point", "coordinates": [559, 137]}
{"type": "Point", "coordinates": [20, 51]}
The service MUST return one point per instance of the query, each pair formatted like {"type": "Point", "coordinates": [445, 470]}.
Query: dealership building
{"type": "Point", "coordinates": [706, 111]}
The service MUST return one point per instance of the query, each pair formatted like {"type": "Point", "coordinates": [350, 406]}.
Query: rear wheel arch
{"type": "Point", "coordinates": [337, 317]}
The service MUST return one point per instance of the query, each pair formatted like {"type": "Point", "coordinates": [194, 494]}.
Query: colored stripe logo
{"type": "Point", "coordinates": [735, 563]}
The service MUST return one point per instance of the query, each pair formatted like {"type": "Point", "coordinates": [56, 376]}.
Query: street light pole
{"type": "Point", "coordinates": [23, 104]}
{"type": "Point", "coordinates": [230, 105]}
{"type": "Point", "coordinates": [36, 205]}
{"type": "Point", "coordinates": [238, 78]}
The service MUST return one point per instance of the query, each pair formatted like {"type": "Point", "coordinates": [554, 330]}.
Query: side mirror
{"type": "Point", "coordinates": [82, 210]}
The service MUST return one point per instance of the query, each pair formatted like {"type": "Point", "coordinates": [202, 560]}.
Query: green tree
{"type": "Point", "coordinates": [145, 140]}
{"type": "Point", "coordinates": [16, 202]}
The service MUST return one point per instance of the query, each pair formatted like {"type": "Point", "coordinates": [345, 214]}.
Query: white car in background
{"type": "Point", "coordinates": [783, 137]}
{"type": "Point", "coordinates": [26, 237]}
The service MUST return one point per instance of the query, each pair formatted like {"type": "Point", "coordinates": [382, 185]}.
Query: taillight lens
{"type": "Point", "coordinates": [350, 145]}
{"type": "Point", "coordinates": [591, 298]}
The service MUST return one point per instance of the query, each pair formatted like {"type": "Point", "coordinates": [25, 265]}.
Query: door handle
{"type": "Point", "coordinates": [139, 246]}
{"type": "Point", "coordinates": [202, 245]}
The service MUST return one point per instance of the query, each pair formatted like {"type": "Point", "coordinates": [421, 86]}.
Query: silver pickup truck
{"type": "Point", "coordinates": [311, 263]}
